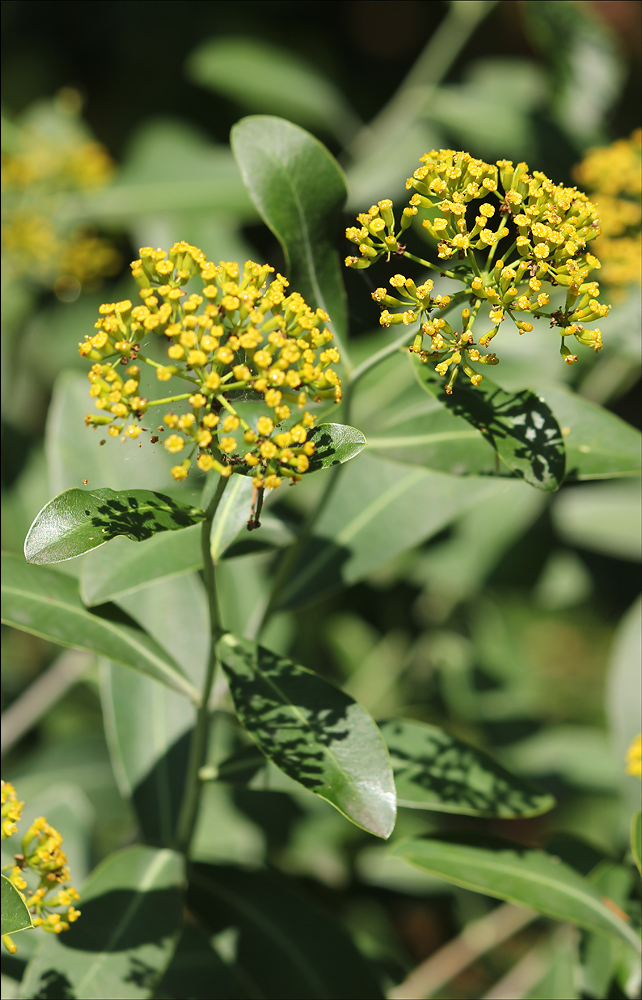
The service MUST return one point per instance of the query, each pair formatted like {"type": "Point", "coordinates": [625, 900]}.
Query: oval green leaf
{"type": "Point", "coordinates": [636, 839]}
{"type": "Point", "coordinates": [520, 426]}
{"type": "Point", "coordinates": [334, 444]}
{"type": "Point", "coordinates": [77, 521]}
{"type": "Point", "coordinates": [299, 190]}
{"type": "Point", "coordinates": [433, 770]}
{"type": "Point", "coordinates": [15, 912]}
{"type": "Point", "coordinates": [517, 874]}
{"type": "Point", "coordinates": [282, 944]}
{"type": "Point", "coordinates": [132, 912]}
{"type": "Point", "coordinates": [47, 603]}
{"type": "Point", "coordinates": [314, 732]}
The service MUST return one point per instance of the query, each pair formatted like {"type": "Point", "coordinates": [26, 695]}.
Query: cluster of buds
{"type": "Point", "coordinates": [41, 853]}
{"type": "Point", "coordinates": [613, 176]}
{"type": "Point", "coordinates": [472, 210]}
{"type": "Point", "coordinates": [238, 337]}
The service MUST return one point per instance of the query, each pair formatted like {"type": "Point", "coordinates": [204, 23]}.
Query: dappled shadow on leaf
{"type": "Point", "coordinates": [520, 426]}
{"type": "Point", "coordinates": [281, 707]}
{"type": "Point", "coordinates": [141, 974]}
{"type": "Point", "coordinates": [125, 515]}
{"type": "Point", "coordinates": [442, 771]}
{"type": "Point", "coordinates": [54, 986]}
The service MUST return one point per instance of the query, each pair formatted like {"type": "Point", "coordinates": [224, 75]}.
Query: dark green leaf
{"type": "Point", "coordinates": [299, 190]}
{"type": "Point", "coordinates": [122, 568]}
{"type": "Point", "coordinates": [15, 912]}
{"type": "Point", "coordinates": [636, 839]}
{"type": "Point", "coordinates": [132, 911]}
{"type": "Point", "coordinates": [378, 510]}
{"type": "Point", "coordinates": [197, 962]}
{"type": "Point", "coordinates": [517, 874]}
{"type": "Point", "coordinates": [47, 603]}
{"type": "Point", "coordinates": [602, 954]}
{"type": "Point", "coordinates": [599, 445]}
{"type": "Point", "coordinates": [519, 425]}
{"type": "Point", "coordinates": [264, 77]}
{"type": "Point", "coordinates": [313, 731]}
{"type": "Point", "coordinates": [280, 945]}
{"type": "Point", "coordinates": [79, 520]}
{"type": "Point", "coordinates": [435, 771]}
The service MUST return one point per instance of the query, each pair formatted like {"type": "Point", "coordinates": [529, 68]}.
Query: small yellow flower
{"type": "Point", "coordinates": [634, 757]}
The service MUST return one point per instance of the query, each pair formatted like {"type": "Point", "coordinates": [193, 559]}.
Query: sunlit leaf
{"type": "Point", "coordinates": [517, 874]}
{"type": "Point", "coordinates": [334, 445]}
{"type": "Point", "coordinates": [15, 912]}
{"type": "Point", "coordinates": [433, 770]}
{"type": "Point", "coordinates": [132, 912]}
{"type": "Point", "coordinates": [520, 426]}
{"type": "Point", "coordinates": [299, 190]}
{"type": "Point", "coordinates": [313, 731]}
{"type": "Point", "coordinates": [79, 520]}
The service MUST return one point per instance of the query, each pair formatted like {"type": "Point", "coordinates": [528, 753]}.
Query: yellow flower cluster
{"type": "Point", "coordinates": [239, 336]}
{"type": "Point", "coordinates": [41, 853]}
{"type": "Point", "coordinates": [46, 159]}
{"type": "Point", "coordinates": [472, 209]}
{"type": "Point", "coordinates": [613, 176]}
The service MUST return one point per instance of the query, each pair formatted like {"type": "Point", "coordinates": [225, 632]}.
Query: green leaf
{"type": "Point", "coordinates": [599, 445]}
{"type": "Point", "coordinates": [122, 568]}
{"type": "Point", "coordinates": [47, 603]}
{"type": "Point", "coordinates": [436, 771]}
{"type": "Point", "coordinates": [517, 874]}
{"type": "Point", "coordinates": [283, 945]}
{"type": "Point", "coordinates": [299, 190]}
{"type": "Point", "coordinates": [148, 727]}
{"type": "Point", "coordinates": [79, 520]}
{"type": "Point", "coordinates": [197, 962]}
{"type": "Point", "coordinates": [264, 77]}
{"type": "Point", "coordinates": [636, 839]}
{"type": "Point", "coordinates": [602, 517]}
{"type": "Point", "coordinates": [601, 954]}
{"type": "Point", "coordinates": [15, 912]}
{"type": "Point", "coordinates": [132, 912]}
{"type": "Point", "coordinates": [314, 732]}
{"type": "Point", "coordinates": [519, 425]}
{"type": "Point", "coordinates": [378, 510]}
{"type": "Point", "coordinates": [232, 514]}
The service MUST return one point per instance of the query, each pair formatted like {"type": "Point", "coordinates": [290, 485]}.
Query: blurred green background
{"type": "Point", "coordinates": [517, 630]}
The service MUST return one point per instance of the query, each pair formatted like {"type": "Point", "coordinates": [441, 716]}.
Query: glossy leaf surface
{"type": "Point", "coordinates": [120, 946]}
{"type": "Point", "coordinates": [47, 603]}
{"type": "Point", "coordinates": [313, 731]}
{"type": "Point", "coordinates": [334, 445]}
{"type": "Point", "coordinates": [299, 190]}
{"type": "Point", "coordinates": [433, 770]}
{"type": "Point", "coordinates": [15, 912]}
{"type": "Point", "coordinates": [520, 426]}
{"type": "Point", "coordinates": [517, 874]}
{"type": "Point", "coordinates": [79, 520]}
{"type": "Point", "coordinates": [283, 945]}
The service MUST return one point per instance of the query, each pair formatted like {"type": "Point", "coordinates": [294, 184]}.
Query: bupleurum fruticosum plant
{"type": "Point", "coordinates": [51, 904]}
{"type": "Point", "coordinates": [514, 237]}
{"type": "Point", "coordinates": [237, 336]}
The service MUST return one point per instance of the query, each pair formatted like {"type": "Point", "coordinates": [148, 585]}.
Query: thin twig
{"type": "Point", "coordinates": [479, 937]}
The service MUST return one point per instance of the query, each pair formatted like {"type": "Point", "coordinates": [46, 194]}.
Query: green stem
{"type": "Point", "coordinates": [381, 355]}
{"type": "Point", "coordinates": [433, 267]}
{"type": "Point", "coordinates": [198, 748]}
{"type": "Point", "coordinates": [155, 364]}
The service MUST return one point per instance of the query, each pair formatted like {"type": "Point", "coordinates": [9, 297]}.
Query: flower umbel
{"type": "Point", "coordinates": [238, 337]}
{"type": "Point", "coordinates": [475, 212]}
{"type": "Point", "coordinates": [42, 854]}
